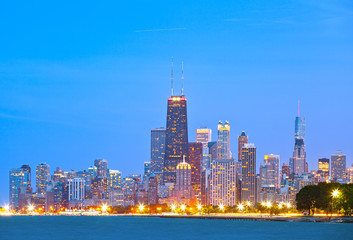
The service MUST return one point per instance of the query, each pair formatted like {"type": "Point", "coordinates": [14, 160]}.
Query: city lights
{"type": "Point", "coordinates": [141, 207]}
{"type": "Point", "coordinates": [335, 193]}
{"type": "Point", "coordinates": [199, 207]}
{"type": "Point", "coordinates": [104, 208]}
{"type": "Point", "coordinates": [30, 208]}
{"type": "Point", "coordinates": [241, 207]}
{"type": "Point", "coordinates": [182, 207]}
{"type": "Point", "coordinates": [173, 207]}
{"type": "Point", "coordinates": [221, 206]}
{"type": "Point", "coordinates": [248, 204]}
{"type": "Point", "coordinates": [7, 208]}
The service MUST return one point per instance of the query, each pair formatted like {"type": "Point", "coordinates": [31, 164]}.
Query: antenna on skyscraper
{"type": "Point", "coordinates": [182, 78]}
{"type": "Point", "coordinates": [298, 108]}
{"type": "Point", "coordinates": [171, 77]}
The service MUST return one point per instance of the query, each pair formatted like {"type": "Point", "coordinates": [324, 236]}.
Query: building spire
{"type": "Point", "coordinates": [171, 76]}
{"type": "Point", "coordinates": [298, 109]}
{"type": "Point", "coordinates": [182, 78]}
{"type": "Point", "coordinates": [183, 158]}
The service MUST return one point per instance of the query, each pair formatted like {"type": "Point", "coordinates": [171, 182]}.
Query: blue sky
{"type": "Point", "coordinates": [84, 80]}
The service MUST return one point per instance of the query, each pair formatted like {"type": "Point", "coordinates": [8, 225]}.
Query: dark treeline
{"type": "Point", "coordinates": [327, 197]}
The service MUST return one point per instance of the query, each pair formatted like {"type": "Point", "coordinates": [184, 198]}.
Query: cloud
{"type": "Point", "coordinates": [160, 30]}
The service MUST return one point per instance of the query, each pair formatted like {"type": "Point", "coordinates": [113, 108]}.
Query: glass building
{"type": "Point", "coordinates": [176, 142]}
{"type": "Point", "coordinates": [338, 167]}
{"type": "Point", "coordinates": [42, 178]}
{"type": "Point", "coordinates": [157, 149]}
{"type": "Point", "coordinates": [248, 184]}
{"type": "Point", "coordinates": [223, 140]}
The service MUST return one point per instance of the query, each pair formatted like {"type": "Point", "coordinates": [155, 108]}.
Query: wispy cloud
{"type": "Point", "coordinates": [160, 30]}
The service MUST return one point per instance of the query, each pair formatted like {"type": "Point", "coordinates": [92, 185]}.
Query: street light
{"type": "Point", "coordinates": [173, 207]}
{"type": "Point", "coordinates": [182, 207]}
{"type": "Point", "coordinates": [335, 193]}
{"type": "Point", "coordinates": [221, 206]}
{"type": "Point", "coordinates": [7, 208]}
{"type": "Point", "coordinates": [30, 208]}
{"type": "Point", "coordinates": [104, 208]}
{"type": "Point", "coordinates": [241, 207]}
{"type": "Point", "coordinates": [248, 203]}
{"type": "Point", "coordinates": [199, 207]}
{"type": "Point", "coordinates": [141, 207]}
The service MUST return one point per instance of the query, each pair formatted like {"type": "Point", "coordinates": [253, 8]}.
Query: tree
{"type": "Point", "coordinates": [307, 197]}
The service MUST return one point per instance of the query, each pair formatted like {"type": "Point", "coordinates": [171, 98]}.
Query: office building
{"type": "Point", "coordinates": [195, 157]}
{"type": "Point", "coordinates": [274, 174]}
{"type": "Point", "coordinates": [223, 182]}
{"type": "Point", "coordinates": [114, 178]}
{"type": "Point", "coordinates": [338, 167]}
{"type": "Point", "coordinates": [242, 140]}
{"type": "Point", "coordinates": [203, 135]}
{"type": "Point", "coordinates": [17, 182]}
{"type": "Point", "coordinates": [248, 184]}
{"type": "Point", "coordinates": [42, 178]}
{"type": "Point", "coordinates": [102, 167]}
{"type": "Point", "coordinates": [324, 168]}
{"type": "Point", "coordinates": [146, 170]}
{"type": "Point", "coordinates": [157, 149]}
{"type": "Point", "coordinates": [223, 141]}
{"type": "Point", "coordinates": [176, 143]}
{"type": "Point", "coordinates": [182, 191]}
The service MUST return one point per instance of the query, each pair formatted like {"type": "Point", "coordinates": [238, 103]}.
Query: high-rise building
{"type": "Point", "coordinates": [338, 167]}
{"type": "Point", "coordinates": [297, 163]}
{"type": "Point", "coordinates": [182, 191]}
{"type": "Point", "coordinates": [223, 141]}
{"type": "Point", "coordinates": [157, 149]}
{"type": "Point", "coordinates": [285, 170]}
{"type": "Point", "coordinates": [76, 189]}
{"type": "Point", "coordinates": [42, 178]}
{"type": "Point", "coordinates": [242, 140]}
{"type": "Point", "coordinates": [248, 184]}
{"type": "Point", "coordinates": [114, 178]}
{"type": "Point", "coordinates": [102, 167]}
{"type": "Point", "coordinates": [324, 168]}
{"type": "Point", "coordinates": [212, 150]}
{"type": "Point", "coordinates": [146, 170]}
{"type": "Point", "coordinates": [58, 175]}
{"type": "Point", "coordinates": [176, 142]}
{"type": "Point", "coordinates": [99, 186]}
{"type": "Point", "coordinates": [152, 189]}
{"type": "Point", "coordinates": [28, 180]}
{"type": "Point", "coordinates": [17, 181]}
{"type": "Point", "coordinates": [203, 135]}
{"type": "Point", "coordinates": [223, 182]}
{"type": "Point", "coordinates": [350, 174]}
{"type": "Point", "coordinates": [195, 156]}
{"type": "Point", "coordinates": [274, 174]}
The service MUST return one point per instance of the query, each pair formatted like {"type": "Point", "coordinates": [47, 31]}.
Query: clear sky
{"type": "Point", "coordinates": [86, 80]}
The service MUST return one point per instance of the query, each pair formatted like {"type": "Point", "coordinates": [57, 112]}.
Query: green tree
{"type": "Point", "coordinates": [307, 197]}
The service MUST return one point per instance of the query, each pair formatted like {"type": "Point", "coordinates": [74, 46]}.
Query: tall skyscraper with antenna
{"type": "Point", "coordinates": [298, 162]}
{"type": "Point", "coordinates": [176, 139]}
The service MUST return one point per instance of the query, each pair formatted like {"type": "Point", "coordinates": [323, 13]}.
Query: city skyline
{"type": "Point", "coordinates": [68, 102]}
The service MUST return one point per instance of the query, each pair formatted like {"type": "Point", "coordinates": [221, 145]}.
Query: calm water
{"type": "Point", "coordinates": [113, 227]}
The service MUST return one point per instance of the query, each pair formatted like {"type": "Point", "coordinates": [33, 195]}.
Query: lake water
{"type": "Point", "coordinates": [117, 227]}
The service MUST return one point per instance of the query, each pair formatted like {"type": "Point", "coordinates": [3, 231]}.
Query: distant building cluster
{"type": "Point", "coordinates": [181, 172]}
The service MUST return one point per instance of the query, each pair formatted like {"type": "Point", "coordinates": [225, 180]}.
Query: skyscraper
{"type": "Point", "coordinates": [338, 167]}
{"type": "Point", "coordinates": [298, 162]}
{"type": "Point", "coordinates": [28, 180]}
{"type": "Point", "coordinates": [114, 178]}
{"type": "Point", "coordinates": [274, 174]}
{"type": "Point", "coordinates": [195, 156]}
{"type": "Point", "coordinates": [17, 181]}
{"type": "Point", "coordinates": [76, 189]}
{"type": "Point", "coordinates": [146, 170]}
{"type": "Point", "coordinates": [350, 174]}
{"type": "Point", "coordinates": [102, 167]}
{"type": "Point", "coordinates": [223, 182]}
{"type": "Point", "coordinates": [42, 178]}
{"type": "Point", "coordinates": [242, 140]}
{"type": "Point", "coordinates": [248, 184]}
{"type": "Point", "coordinates": [176, 143]}
{"type": "Point", "coordinates": [157, 149]}
{"type": "Point", "coordinates": [223, 141]}
{"type": "Point", "coordinates": [203, 135]}
{"type": "Point", "coordinates": [324, 168]}
{"type": "Point", "coordinates": [182, 191]}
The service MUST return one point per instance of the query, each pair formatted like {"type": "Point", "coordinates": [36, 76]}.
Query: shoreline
{"type": "Point", "coordinates": [274, 218]}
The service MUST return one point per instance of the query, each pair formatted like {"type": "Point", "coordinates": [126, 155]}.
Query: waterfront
{"type": "Point", "coordinates": [126, 227]}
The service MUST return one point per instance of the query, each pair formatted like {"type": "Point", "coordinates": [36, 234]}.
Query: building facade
{"type": "Point", "coordinates": [338, 167]}
{"type": "Point", "coordinates": [42, 178]}
{"type": "Point", "coordinates": [157, 149]}
{"type": "Point", "coordinates": [223, 141]}
{"type": "Point", "coordinates": [248, 184]}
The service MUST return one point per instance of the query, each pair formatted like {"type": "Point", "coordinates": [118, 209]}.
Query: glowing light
{"type": "Point", "coordinates": [173, 207]}
{"type": "Point", "coordinates": [199, 207]}
{"type": "Point", "coordinates": [263, 204]}
{"type": "Point", "coordinates": [141, 207]}
{"type": "Point", "coordinates": [279, 205]}
{"type": "Point", "coordinates": [30, 208]}
{"type": "Point", "coordinates": [241, 207]}
{"type": "Point", "coordinates": [248, 203]}
{"type": "Point", "coordinates": [221, 207]}
{"type": "Point", "coordinates": [268, 204]}
{"type": "Point", "coordinates": [182, 207]}
{"type": "Point", "coordinates": [104, 208]}
{"type": "Point", "coordinates": [7, 208]}
{"type": "Point", "coordinates": [335, 193]}
{"type": "Point", "coordinates": [289, 205]}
